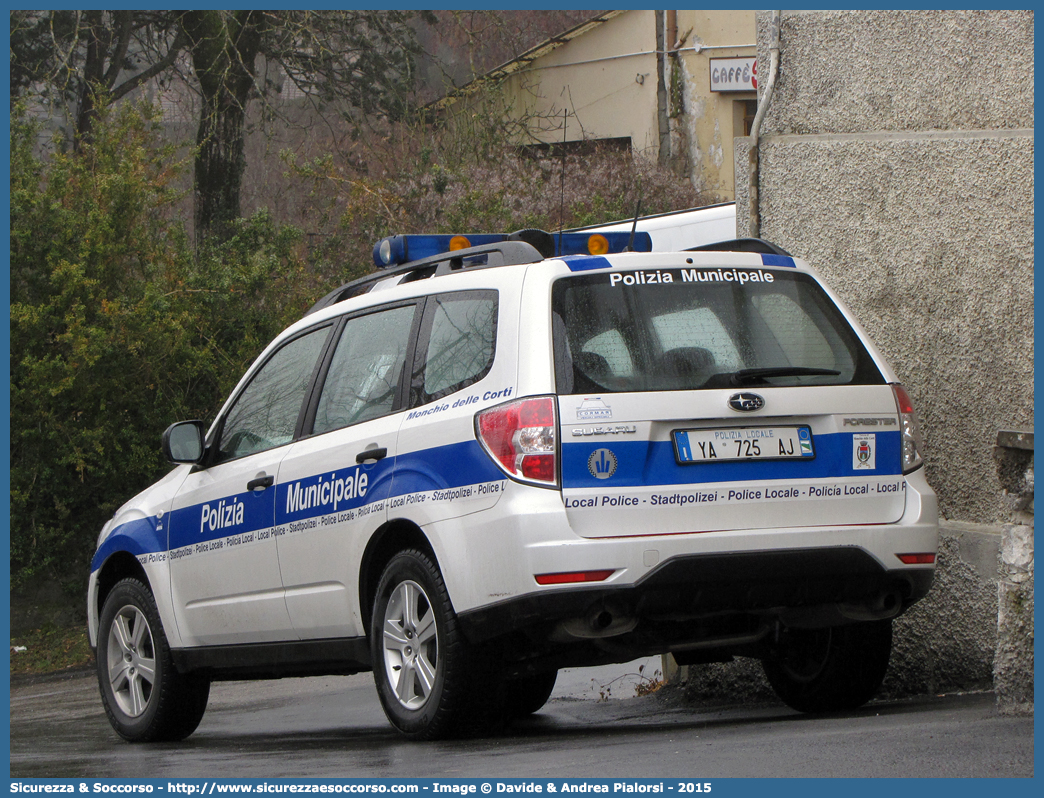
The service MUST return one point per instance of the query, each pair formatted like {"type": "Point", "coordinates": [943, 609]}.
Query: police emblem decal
{"type": "Point", "coordinates": [864, 452]}
{"type": "Point", "coordinates": [601, 464]}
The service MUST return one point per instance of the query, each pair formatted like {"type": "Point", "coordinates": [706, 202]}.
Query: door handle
{"type": "Point", "coordinates": [260, 482]}
{"type": "Point", "coordinates": [371, 454]}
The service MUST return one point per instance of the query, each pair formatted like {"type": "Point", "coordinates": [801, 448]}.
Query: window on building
{"type": "Point", "coordinates": [746, 110]}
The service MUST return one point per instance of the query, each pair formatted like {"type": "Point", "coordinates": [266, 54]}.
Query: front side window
{"type": "Point", "coordinates": [367, 366]}
{"type": "Point", "coordinates": [686, 329]}
{"type": "Point", "coordinates": [265, 413]}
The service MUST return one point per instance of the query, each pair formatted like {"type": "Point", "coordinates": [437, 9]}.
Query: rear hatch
{"type": "Point", "coordinates": [700, 403]}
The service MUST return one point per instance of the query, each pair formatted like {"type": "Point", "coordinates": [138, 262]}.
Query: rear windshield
{"type": "Point", "coordinates": [675, 329]}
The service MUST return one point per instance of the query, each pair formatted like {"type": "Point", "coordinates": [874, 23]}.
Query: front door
{"type": "Point", "coordinates": [225, 581]}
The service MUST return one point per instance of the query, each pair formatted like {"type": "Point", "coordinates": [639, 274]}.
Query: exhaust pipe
{"type": "Point", "coordinates": [599, 621]}
{"type": "Point", "coordinates": [887, 604]}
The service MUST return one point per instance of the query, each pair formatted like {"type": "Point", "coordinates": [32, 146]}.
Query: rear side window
{"type": "Point", "coordinates": [366, 369]}
{"type": "Point", "coordinates": [693, 328]}
{"type": "Point", "coordinates": [458, 341]}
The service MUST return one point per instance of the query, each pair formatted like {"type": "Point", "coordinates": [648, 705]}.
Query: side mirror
{"type": "Point", "coordinates": [183, 442]}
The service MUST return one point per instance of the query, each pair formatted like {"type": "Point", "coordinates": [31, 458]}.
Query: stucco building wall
{"type": "Point", "coordinates": [707, 122]}
{"type": "Point", "coordinates": [603, 78]}
{"type": "Point", "coordinates": [604, 97]}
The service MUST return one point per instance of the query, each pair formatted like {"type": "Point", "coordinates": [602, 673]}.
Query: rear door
{"type": "Point", "coordinates": [334, 482]}
{"type": "Point", "coordinates": [702, 399]}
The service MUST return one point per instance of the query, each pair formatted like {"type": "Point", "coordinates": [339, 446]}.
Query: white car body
{"type": "Point", "coordinates": [280, 579]}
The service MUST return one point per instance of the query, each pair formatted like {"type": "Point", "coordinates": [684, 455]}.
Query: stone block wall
{"type": "Point", "coordinates": [896, 162]}
{"type": "Point", "coordinates": [944, 643]}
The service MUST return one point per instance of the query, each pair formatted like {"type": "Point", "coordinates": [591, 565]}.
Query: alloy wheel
{"type": "Point", "coordinates": [132, 661]}
{"type": "Point", "coordinates": [411, 647]}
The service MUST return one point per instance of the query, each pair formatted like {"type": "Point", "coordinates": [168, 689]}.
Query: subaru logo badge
{"type": "Point", "coordinates": [746, 402]}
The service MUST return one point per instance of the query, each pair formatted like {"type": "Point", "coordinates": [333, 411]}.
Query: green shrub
{"type": "Point", "coordinates": [119, 325]}
{"type": "Point", "coordinates": [118, 328]}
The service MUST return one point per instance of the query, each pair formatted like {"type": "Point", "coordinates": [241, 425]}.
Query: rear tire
{"type": "Point", "coordinates": [527, 695]}
{"type": "Point", "coordinates": [830, 670]}
{"type": "Point", "coordinates": [145, 697]}
{"type": "Point", "coordinates": [431, 682]}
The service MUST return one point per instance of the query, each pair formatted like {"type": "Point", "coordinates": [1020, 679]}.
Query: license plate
{"type": "Point", "coordinates": [742, 443]}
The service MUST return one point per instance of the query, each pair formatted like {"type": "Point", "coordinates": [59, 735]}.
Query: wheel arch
{"type": "Point", "coordinates": [386, 542]}
{"type": "Point", "coordinates": [120, 565]}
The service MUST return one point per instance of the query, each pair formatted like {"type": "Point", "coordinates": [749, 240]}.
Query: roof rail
{"type": "Point", "coordinates": [742, 245]}
{"type": "Point", "coordinates": [509, 253]}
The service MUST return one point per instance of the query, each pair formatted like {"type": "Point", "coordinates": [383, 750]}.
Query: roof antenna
{"type": "Point", "coordinates": [634, 226]}
{"type": "Point", "coordinates": [561, 202]}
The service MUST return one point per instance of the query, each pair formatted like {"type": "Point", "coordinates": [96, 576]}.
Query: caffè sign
{"type": "Point", "coordinates": [734, 74]}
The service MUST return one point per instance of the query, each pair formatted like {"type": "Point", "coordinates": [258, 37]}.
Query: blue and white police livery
{"type": "Point", "coordinates": [504, 455]}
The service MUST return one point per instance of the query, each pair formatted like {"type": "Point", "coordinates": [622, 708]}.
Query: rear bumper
{"type": "Point", "coordinates": [792, 584]}
{"type": "Point", "coordinates": [679, 591]}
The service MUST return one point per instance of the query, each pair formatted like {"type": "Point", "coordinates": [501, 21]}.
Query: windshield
{"type": "Point", "coordinates": [687, 329]}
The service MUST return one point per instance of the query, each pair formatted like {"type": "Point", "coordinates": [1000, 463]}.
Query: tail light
{"type": "Point", "coordinates": [913, 444]}
{"type": "Point", "coordinates": [522, 438]}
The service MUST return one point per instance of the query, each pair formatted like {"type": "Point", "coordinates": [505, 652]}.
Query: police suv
{"type": "Point", "coordinates": [503, 455]}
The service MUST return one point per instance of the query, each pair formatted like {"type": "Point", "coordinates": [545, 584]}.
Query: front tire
{"type": "Point", "coordinates": [830, 670]}
{"type": "Point", "coordinates": [145, 697]}
{"type": "Point", "coordinates": [431, 682]}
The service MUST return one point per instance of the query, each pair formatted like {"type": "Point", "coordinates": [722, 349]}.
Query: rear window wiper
{"type": "Point", "coordinates": [747, 376]}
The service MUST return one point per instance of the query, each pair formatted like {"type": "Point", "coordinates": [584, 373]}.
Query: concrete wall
{"type": "Point", "coordinates": [1013, 663]}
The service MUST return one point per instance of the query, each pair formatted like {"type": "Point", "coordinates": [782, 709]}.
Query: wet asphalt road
{"type": "Point", "coordinates": [334, 727]}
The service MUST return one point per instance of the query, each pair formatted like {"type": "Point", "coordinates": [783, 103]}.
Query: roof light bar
{"type": "Point", "coordinates": [395, 250]}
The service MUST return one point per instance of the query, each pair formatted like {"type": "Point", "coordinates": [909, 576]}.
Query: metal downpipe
{"type": "Point", "coordinates": [755, 130]}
